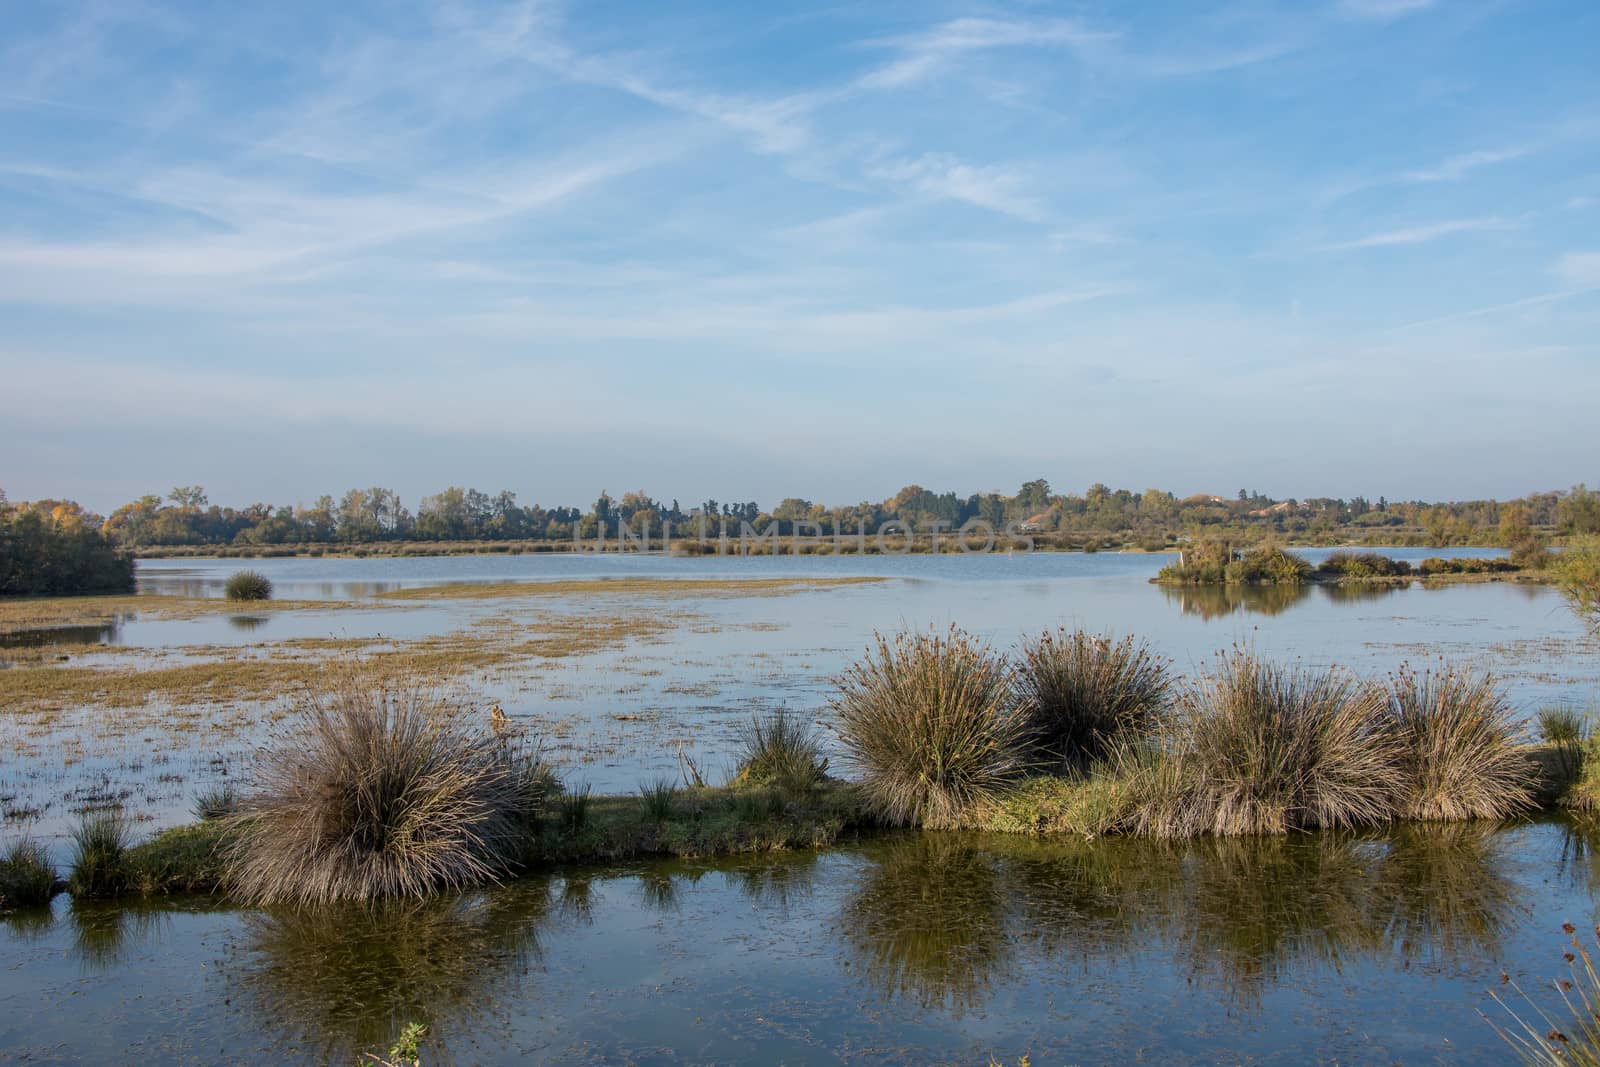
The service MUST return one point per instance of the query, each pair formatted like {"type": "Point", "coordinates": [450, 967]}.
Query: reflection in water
{"type": "Point", "coordinates": [1219, 601]}
{"type": "Point", "coordinates": [348, 979]}
{"type": "Point", "coordinates": [105, 633]}
{"type": "Point", "coordinates": [1358, 592]}
{"type": "Point", "coordinates": [928, 920]}
{"type": "Point", "coordinates": [103, 931]}
{"type": "Point", "coordinates": [777, 881]}
{"type": "Point", "coordinates": [247, 623]}
{"type": "Point", "coordinates": [938, 916]}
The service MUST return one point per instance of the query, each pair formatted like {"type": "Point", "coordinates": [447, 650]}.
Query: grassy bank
{"type": "Point", "coordinates": [1220, 563]}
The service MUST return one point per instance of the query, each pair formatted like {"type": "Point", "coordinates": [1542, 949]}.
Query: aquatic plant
{"type": "Point", "coordinates": [572, 809]}
{"type": "Point", "coordinates": [1261, 748]}
{"type": "Point", "coordinates": [1082, 691]}
{"type": "Point", "coordinates": [932, 724]}
{"type": "Point", "coordinates": [27, 880]}
{"type": "Point", "coordinates": [248, 585]}
{"type": "Point", "coordinates": [780, 749]}
{"type": "Point", "coordinates": [99, 855]}
{"type": "Point", "coordinates": [216, 802]}
{"type": "Point", "coordinates": [656, 797]}
{"type": "Point", "coordinates": [374, 792]}
{"type": "Point", "coordinates": [1569, 732]}
{"type": "Point", "coordinates": [1462, 752]}
{"type": "Point", "coordinates": [1542, 1041]}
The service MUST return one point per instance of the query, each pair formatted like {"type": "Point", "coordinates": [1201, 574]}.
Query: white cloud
{"type": "Point", "coordinates": [1579, 268]}
{"type": "Point", "coordinates": [925, 54]}
{"type": "Point", "coordinates": [1416, 235]}
{"type": "Point", "coordinates": [939, 175]}
{"type": "Point", "coordinates": [1457, 167]}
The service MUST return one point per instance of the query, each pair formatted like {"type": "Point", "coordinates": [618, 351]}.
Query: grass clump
{"type": "Point", "coordinates": [1268, 565]}
{"type": "Point", "coordinates": [1257, 748]}
{"type": "Point", "coordinates": [1083, 692]}
{"type": "Point", "coordinates": [248, 585]}
{"type": "Point", "coordinates": [27, 880]}
{"type": "Point", "coordinates": [216, 802]}
{"type": "Point", "coordinates": [1462, 754]}
{"type": "Point", "coordinates": [1362, 565]}
{"type": "Point", "coordinates": [100, 855]}
{"type": "Point", "coordinates": [932, 724]}
{"type": "Point", "coordinates": [656, 798]}
{"type": "Point", "coordinates": [379, 793]}
{"type": "Point", "coordinates": [780, 750]}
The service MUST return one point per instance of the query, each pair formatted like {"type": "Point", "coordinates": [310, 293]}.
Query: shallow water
{"type": "Point", "coordinates": [1316, 948]}
{"type": "Point", "coordinates": [618, 714]}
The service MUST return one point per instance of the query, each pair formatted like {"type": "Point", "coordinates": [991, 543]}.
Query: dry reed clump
{"type": "Point", "coordinates": [377, 793]}
{"type": "Point", "coordinates": [1461, 751]}
{"type": "Point", "coordinates": [1257, 748]}
{"type": "Point", "coordinates": [1084, 692]}
{"type": "Point", "coordinates": [932, 723]}
{"type": "Point", "coordinates": [248, 585]}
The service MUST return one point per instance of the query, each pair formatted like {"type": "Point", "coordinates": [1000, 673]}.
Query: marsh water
{"type": "Point", "coordinates": [926, 948]}
{"type": "Point", "coordinates": [1316, 948]}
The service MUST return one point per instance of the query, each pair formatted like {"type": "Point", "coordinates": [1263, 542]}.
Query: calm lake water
{"type": "Point", "coordinates": [927, 948]}
{"type": "Point", "coordinates": [1317, 948]}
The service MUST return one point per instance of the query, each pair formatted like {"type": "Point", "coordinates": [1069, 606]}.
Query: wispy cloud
{"type": "Point", "coordinates": [995, 188]}
{"type": "Point", "coordinates": [1416, 235]}
{"type": "Point", "coordinates": [1383, 10]}
{"type": "Point", "coordinates": [1579, 268]}
{"type": "Point", "coordinates": [924, 54]}
{"type": "Point", "coordinates": [1457, 167]}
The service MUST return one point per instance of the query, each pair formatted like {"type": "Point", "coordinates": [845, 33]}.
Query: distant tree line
{"type": "Point", "coordinates": [365, 516]}
{"type": "Point", "coordinates": [52, 548]}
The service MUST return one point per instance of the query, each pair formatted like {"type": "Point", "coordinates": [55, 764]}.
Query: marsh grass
{"type": "Point", "coordinates": [248, 585]}
{"type": "Point", "coordinates": [1539, 1039]}
{"type": "Point", "coordinates": [374, 793]}
{"type": "Point", "coordinates": [932, 724]}
{"type": "Point", "coordinates": [27, 879]}
{"type": "Point", "coordinates": [1083, 692]}
{"type": "Point", "coordinates": [1463, 754]}
{"type": "Point", "coordinates": [100, 855]}
{"type": "Point", "coordinates": [780, 749]}
{"type": "Point", "coordinates": [216, 802]}
{"type": "Point", "coordinates": [1258, 748]}
{"type": "Point", "coordinates": [656, 798]}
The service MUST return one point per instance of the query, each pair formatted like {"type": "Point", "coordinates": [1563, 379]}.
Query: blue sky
{"type": "Point", "coordinates": [750, 251]}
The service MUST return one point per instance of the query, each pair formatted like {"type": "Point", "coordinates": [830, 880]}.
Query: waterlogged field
{"type": "Point", "coordinates": [916, 948]}
{"type": "Point", "coordinates": [623, 666]}
{"type": "Point", "coordinates": [926, 948]}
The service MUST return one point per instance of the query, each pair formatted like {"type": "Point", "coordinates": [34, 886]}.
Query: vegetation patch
{"type": "Point", "coordinates": [631, 587]}
{"type": "Point", "coordinates": [247, 585]}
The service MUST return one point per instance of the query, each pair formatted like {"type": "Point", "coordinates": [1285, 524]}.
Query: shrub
{"type": "Point", "coordinates": [932, 724]}
{"type": "Point", "coordinates": [1268, 565]}
{"type": "Point", "coordinates": [99, 858]}
{"type": "Point", "coordinates": [1578, 574]}
{"type": "Point", "coordinates": [1083, 691]}
{"type": "Point", "coordinates": [1258, 748]}
{"type": "Point", "coordinates": [248, 585]}
{"type": "Point", "coordinates": [1362, 565]}
{"type": "Point", "coordinates": [779, 749]}
{"type": "Point", "coordinates": [377, 793]}
{"type": "Point", "coordinates": [1475, 565]}
{"type": "Point", "coordinates": [1461, 749]}
{"type": "Point", "coordinates": [1530, 553]}
{"type": "Point", "coordinates": [27, 880]}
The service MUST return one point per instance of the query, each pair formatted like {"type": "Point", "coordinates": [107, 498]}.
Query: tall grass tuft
{"type": "Point", "coordinates": [932, 724]}
{"type": "Point", "coordinates": [1262, 749]}
{"type": "Point", "coordinates": [656, 798]}
{"type": "Point", "coordinates": [1083, 692]}
{"type": "Point", "coordinates": [781, 750]}
{"type": "Point", "coordinates": [376, 793]}
{"type": "Point", "coordinates": [99, 855]}
{"type": "Point", "coordinates": [27, 880]}
{"type": "Point", "coordinates": [215, 802]}
{"type": "Point", "coordinates": [248, 585]}
{"type": "Point", "coordinates": [1570, 732]}
{"type": "Point", "coordinates": [1461, 750]}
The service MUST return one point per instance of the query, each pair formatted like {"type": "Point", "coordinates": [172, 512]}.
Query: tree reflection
{"type": "Point", "coordinates": [1219, 601]}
